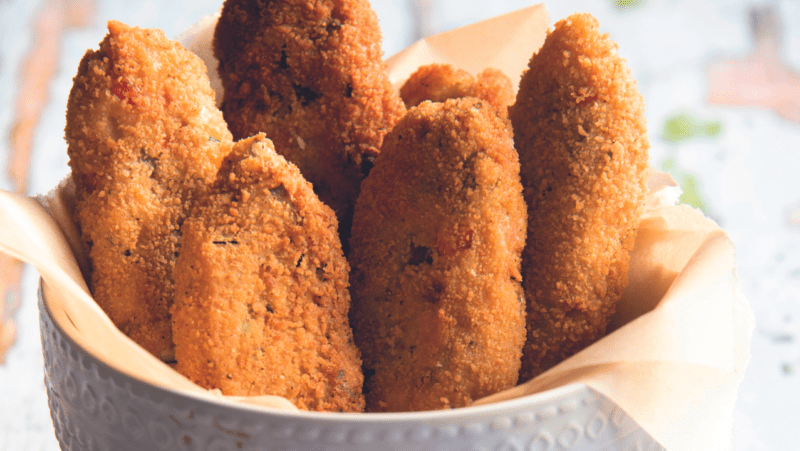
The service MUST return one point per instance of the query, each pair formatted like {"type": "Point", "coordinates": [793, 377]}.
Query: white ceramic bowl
{"type": "Point", "coordinates": [95, 407]}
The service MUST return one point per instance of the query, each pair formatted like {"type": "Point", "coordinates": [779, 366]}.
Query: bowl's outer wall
{"type": "Point", "coordinates": [95, 407]}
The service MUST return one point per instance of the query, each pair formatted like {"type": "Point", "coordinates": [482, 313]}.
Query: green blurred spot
{"type": "Point", "coordinates": [689, 185]}
{"type": "Point", "coordinates": [788, 369]}
{"type": "Point", "coordinates": [669, 164]}
{"type": "Point", "coordinates": [678, 128]}
{"type": "Point", "coordinates": [691, 193]}
{"type": "Point", "coordinates": [626, 4]}
{"type": "Point", "coordinates": [713, 128]}
{"type": "Point", "coordinates": [683, 126]}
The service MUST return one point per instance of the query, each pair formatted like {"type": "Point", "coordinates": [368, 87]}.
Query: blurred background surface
{"type": "Point", "coordinates": [721, 80]}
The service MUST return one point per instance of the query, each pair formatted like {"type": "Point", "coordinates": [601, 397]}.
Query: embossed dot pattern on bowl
{"type": "Point", "coordinates": [95, 407]}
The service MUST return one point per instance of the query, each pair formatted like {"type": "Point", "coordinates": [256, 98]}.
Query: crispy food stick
{"type": "Point", "coordinates": [145, 141]}
{"type": "Point", "coordinates": [311, 76]}
{"type": "Point", "coordinates": [438, 309]}
{"type": "Point", "coordinates": [579, 127]}
{"type": "Point", "coordinates": [261, 298]}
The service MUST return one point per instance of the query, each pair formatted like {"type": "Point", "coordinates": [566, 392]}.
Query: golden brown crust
{"type": "Point", "coordinates": [144, 140]}
{"type": "Point", "coordinates": [438, 309]}
{"type": "Point", "coordinates": [580, 130]}
{"type": "Point", "coordinates": [439, 82]}
{"type": "Point", "coordinates": [311, 76]}
{"type": "Point", "coordinates": [495, 87]}
{"type": "Point", "coordinates": [261, 289]}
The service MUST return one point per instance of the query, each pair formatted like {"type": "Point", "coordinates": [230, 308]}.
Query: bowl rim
{"type": "Point", "coordinates": [461, 414]}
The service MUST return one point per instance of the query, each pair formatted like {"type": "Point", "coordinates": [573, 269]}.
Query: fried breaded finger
{"type": "Point", "coordinates": [580, 130]}
{"type": "Point", "coordinates": [311, 76]}
{"type": "Point", "coordinates": [261, 289]}
{"type": "Point", "coordinates": [439, 82]}
{"type": "Point", "coordinates": [144, 140]}
{"type": "Point", "coordinates": [438, 309]}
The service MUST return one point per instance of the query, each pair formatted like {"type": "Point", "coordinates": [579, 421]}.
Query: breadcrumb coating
{"type": "Point", "coordinates": [580, 130]}
{"type": "Point", "coordinates": [438, 307]}
{"type": "Point", "coordinates": [145, 140]}
{"type": "Point", "coordinates": [261, 299]}
{"type": "Point", "coordinates": [310, 75]}
{"type": "Point", "coordinates": [439, 82]}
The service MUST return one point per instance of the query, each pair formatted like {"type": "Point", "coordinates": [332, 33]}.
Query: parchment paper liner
{"type": "Point", "coordinates": [678, 345]}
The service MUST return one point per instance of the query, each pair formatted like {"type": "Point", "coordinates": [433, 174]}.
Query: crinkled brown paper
{"type": "Point", "coordinates": [678, 345]}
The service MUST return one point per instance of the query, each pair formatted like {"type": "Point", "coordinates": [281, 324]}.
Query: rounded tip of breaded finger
{"type": "Point", "coordinates": [261, 289]}
{"type": "Point", "coordinates": [439, 82]}
{"type": "Point", "coordinates": [438, 309]}
{"type": "Point", "coordinates": [580, 130]}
